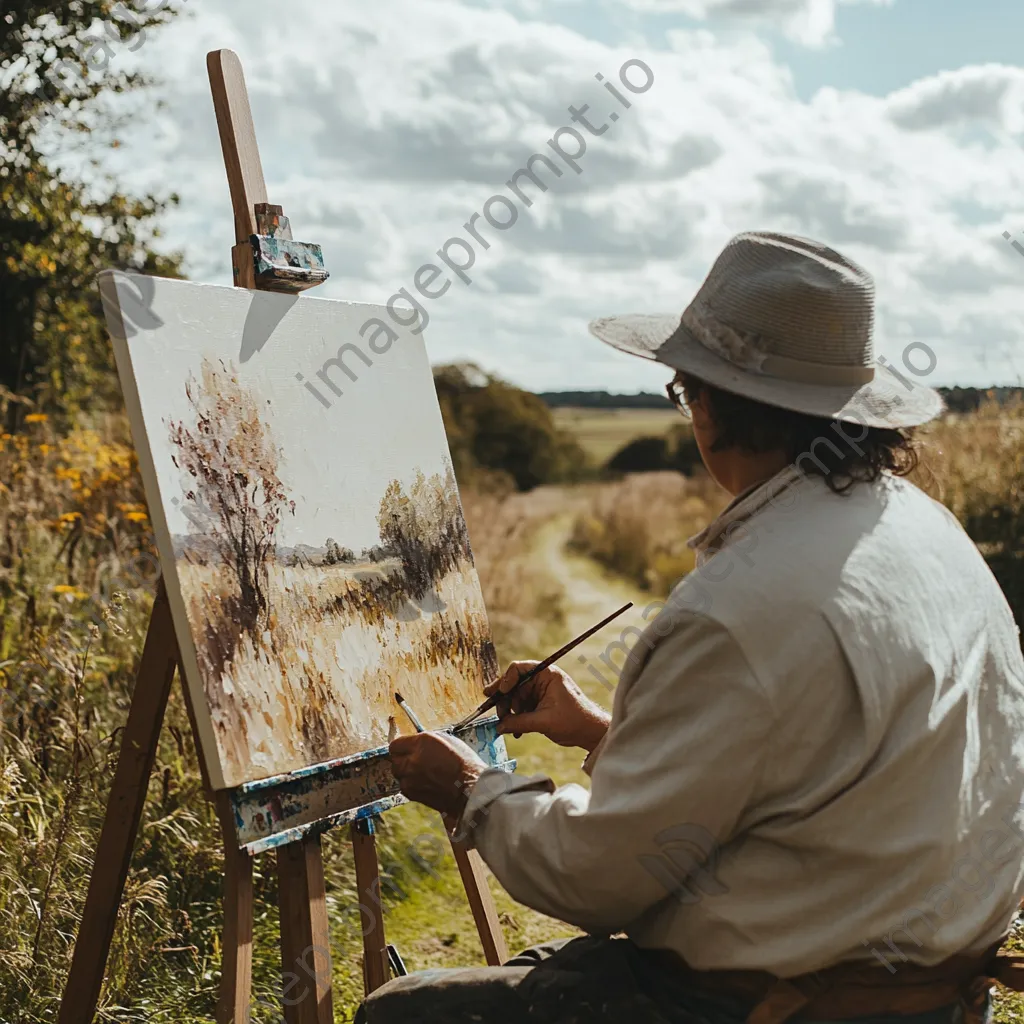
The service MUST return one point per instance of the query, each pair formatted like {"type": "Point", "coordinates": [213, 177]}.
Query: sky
{"type": "Point", "coordinates": [889, 129]}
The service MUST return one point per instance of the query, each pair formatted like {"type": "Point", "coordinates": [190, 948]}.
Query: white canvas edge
{"type": "Point", "coordinates": [188, 662]}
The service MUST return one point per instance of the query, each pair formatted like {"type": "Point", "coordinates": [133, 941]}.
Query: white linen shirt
{"type": "Point", "coordinates": [816, 751]}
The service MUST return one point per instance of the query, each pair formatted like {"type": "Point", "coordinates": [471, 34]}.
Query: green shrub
{"type": "Point", "coordinates": [676, 450]}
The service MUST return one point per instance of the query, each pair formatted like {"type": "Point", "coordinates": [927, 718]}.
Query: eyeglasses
{"type": "Point", "coordinates": [677, 396]}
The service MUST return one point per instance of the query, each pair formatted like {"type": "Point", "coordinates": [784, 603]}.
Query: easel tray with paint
{"type": "Point", "coordinates": [289, 642]}
{"type": "Point", "coordinates": [284, 808]}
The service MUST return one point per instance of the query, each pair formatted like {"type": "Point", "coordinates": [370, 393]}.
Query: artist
{"type": "Point", "coordinates": [815, 761]}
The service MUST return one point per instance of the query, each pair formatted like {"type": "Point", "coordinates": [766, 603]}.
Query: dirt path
{"type": "Point", "coordinates": [589, 595]}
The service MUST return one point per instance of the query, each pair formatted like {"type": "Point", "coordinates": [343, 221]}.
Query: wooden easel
{"type": "Point", "coordinates": [305, 939]}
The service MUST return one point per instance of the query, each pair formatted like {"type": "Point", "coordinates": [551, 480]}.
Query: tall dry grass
{"type": "Point", "coordinates": [319, 681]}
{"type": "Point", "coordinates": [974, 464]}
{"type": "Point", "coordinates": [638, 526]}
{"type": "Point", "coordinates": [525, 601]}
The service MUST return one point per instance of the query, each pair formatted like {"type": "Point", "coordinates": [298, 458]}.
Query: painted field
{"type": "Point", "coordinates": [320, 674]}
{"type": "Point", "coordinates": [602, 432]}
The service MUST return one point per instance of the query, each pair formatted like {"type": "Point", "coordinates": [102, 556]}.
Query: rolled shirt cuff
{"type": "Point", "coordinates": [492, 785]}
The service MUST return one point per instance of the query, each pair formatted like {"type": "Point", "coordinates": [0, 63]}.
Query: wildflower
{"type": "Point", "coordinates": [70, 517]}
{"type": "Point", "coordinates": [72, 593]}
{"type": "Point", "coordinates": [136, 517]}
{"type": "Point", "coordinates": [36, 417]}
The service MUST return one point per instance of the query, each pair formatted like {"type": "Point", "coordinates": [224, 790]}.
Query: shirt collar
{"type": "Point", "coordinates": [746, 504]}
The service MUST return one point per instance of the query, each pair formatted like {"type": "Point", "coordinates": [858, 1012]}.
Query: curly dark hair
{"type": "Point", "coordinates": [842, 453]}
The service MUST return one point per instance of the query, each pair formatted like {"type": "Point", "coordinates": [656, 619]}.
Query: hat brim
{"type": "Point", "coordinates": [885, 402]}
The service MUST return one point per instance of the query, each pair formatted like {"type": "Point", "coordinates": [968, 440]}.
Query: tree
{"type": "Point", "coordinates": [641, 455]}
{"type": "Point", "coordinates": [58, 63]}
{"type": "Point", "coordinates": [233, 463]}
{"type": "Point", "coordinates": [496, 428]}
{"type": "Point", "coordinates": [335, 554]}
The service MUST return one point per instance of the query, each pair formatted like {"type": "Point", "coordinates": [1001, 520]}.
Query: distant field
{"type": "Point", "coordinates": [602, 432]}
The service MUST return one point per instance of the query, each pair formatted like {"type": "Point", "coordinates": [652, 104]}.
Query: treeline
{"type": "Point", "coordinates": [603, 400]}
{"type": "Point", "coordinates": [971, 399]}
{"type": "Point", "coordinates": [56, 233]}
{"type": "Point", "coordinates": [957, 399]}
{"type": "Point", "coordinates": [425, 528]}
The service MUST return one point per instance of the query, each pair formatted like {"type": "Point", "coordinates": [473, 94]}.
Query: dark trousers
{"type": "Point", "coordinates": [585, 980]}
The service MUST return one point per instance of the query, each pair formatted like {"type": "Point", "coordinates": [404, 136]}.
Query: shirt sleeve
{"type": "Point", "coordinates": [683, 756]}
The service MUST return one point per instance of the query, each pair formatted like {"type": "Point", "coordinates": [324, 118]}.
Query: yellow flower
{"type": "Point", "coordinates": [70, 517]}
{"type": "Point", "coordinates": [36, 417]}
{"type": "Point", "coordinates": [136, 517]}
{"type": "Point", "coordinates": [73, 592]}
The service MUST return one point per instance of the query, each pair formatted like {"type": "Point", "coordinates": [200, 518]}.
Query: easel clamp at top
{"type": "Point", "coordinates": [265, 255]}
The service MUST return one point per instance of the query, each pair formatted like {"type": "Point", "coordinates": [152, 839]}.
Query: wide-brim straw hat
{"type": "Point", "coordinates": [788, 322]}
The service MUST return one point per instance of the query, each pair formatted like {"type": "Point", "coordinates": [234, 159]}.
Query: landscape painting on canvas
{"type": "Point", "coordinates": [312, 540]}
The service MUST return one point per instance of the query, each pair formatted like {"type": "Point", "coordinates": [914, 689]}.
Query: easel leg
{"type": "Point", "coordinates": [375, 952]}
{"type": "Point", "coordinates": [124, 812]}
{"type": "Point", "coordinates": [485, 914]}
{"type": "Point", "coordinates": [236, 954]}
{"type": "Point", "coordinates": [305, 940]}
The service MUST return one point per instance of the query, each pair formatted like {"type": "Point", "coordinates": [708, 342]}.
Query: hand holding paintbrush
{"type": "Point", "coordinates": [438, 769]}
{"type": "Point", "coordinates": [508, 691]}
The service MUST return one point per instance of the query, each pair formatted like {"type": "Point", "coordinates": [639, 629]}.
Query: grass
{"type": "Point", "coordinates": [602, 432]}
{"type": "Point", "coordinates": [638, 526]}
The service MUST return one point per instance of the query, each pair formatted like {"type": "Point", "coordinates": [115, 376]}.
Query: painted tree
{"type": "Point", "coordinates": [425, 528]}
{"type": "Point", "coordinates": [233, 464]}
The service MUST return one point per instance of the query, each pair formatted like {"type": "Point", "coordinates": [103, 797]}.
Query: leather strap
{"type": "Point", "coordinates": [850, 990]}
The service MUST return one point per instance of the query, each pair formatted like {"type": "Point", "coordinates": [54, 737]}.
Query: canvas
{"type": "Point", "coordinates": [308, 523]}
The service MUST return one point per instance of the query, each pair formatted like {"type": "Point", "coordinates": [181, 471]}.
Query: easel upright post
{"type": "Point", "coordinates": [241, 156]}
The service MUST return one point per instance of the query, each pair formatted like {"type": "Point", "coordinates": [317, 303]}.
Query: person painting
{"type": "Point", "coordinates": [807, 802]}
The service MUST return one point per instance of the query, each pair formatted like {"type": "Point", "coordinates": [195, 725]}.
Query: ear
{"type": "Point", "coordinates": [700, 412]}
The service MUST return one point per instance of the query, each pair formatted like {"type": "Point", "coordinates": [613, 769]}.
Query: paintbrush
{"type": "Point", "coordinates": [497, 698]}
{"type": "Point", "coordinates": [408, 710]}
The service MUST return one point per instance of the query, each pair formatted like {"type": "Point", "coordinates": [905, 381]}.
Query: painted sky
{"type": "Point", "coordinates": [336, 463]}
{"type": "Point", "coordinates": [890, 130]}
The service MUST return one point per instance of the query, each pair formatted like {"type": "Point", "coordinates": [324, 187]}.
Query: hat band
{"type": "Point", "coordinates": [804, 372]}
{"type": "Point", "coordinates": [747, 352]}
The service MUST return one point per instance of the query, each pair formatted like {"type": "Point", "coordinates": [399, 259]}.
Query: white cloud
{"type": "Point", "coordinates": [383, 128]}
{"type": "Point", "coordinates": [810, 22]}
{"type": "Point", "coordinates": [991, 94]}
